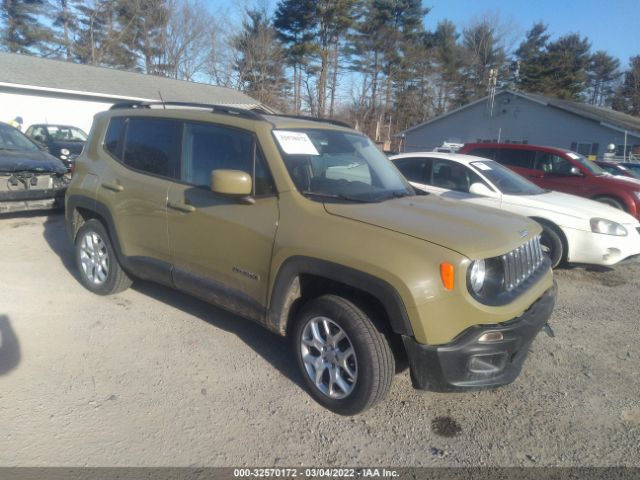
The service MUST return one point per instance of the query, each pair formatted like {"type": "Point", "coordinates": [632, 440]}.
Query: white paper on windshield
{"type": "Point", "coordinates": [295, 143]}
{"type": "Point", "coordinates": [573, 155]}
{"type": "Point", "coordinates": [482, 166]}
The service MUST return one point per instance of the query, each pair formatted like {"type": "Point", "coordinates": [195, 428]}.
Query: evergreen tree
{"type": "Point", "coordinates": [23, 32]}
{"type": "Point", "coordinates": [260, 60]}
{"type": "Point", "coordinates": [101, 37]}
{"type": "Point", "coordinates": [64, 24]}
{"type": "Point", "coordinates": [531, 60]}
{"type": "Point", "coordinates": [568, 60]}
{"type": "Point", "coordinates": [602, 74]}
{"type": "Point", "coordinates": [481, 54]}
{"type": "Point", "coordinates": [627, 97]}
{"type": "Point", "coordinates": [294, 22]}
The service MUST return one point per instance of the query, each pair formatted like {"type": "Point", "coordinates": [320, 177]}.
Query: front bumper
{"type": "Point", "coordinates": [599, 249]}
{"type": "Point", "coordinates": [26, 200]}
{"type": "Point", "coordinates": [466, 363]}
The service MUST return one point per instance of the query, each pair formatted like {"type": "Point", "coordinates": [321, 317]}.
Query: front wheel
{"type": "Point", "coordinates": [552, 245]}
{"type": "Point", "coordinates": [346, 362]}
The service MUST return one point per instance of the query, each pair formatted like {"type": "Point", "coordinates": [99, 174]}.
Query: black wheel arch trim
{"type": "Point", "coordinates": [286, 289]}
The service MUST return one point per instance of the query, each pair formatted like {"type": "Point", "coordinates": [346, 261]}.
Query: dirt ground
{"type": "Point", "coordinates": [152, 377]}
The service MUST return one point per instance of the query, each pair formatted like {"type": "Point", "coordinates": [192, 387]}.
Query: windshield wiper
{"type": "Point", "coordinates": [391, 195]}
{"type": "Point", "coordinates": [337, 196]}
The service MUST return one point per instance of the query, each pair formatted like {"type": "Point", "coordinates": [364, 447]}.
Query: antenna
{"type": "Point", "coordinates": [162, 100]}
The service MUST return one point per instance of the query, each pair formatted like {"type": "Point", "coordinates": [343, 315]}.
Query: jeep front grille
{"type": "Point", "coordinates": [521, 263]}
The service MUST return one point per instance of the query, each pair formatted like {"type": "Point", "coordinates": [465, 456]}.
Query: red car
{"type": "Point", "coordinates": [564, 171]}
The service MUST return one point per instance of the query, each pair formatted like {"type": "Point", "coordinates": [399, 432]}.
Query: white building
{"type": "Point", "coordinates": [51, 91]}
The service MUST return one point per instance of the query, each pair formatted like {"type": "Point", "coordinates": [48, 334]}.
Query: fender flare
{"type": "Point", "coordinates": [286, 289]}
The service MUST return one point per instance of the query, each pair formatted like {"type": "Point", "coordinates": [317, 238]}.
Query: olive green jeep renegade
{"type": "Point", "coordinates": [306, 228]}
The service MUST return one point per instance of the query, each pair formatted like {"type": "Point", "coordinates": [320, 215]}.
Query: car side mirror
{"type": "Point", "coordinates": [482, 190]}
{"type": "Point", "coordinates": [233, 183]}
{"type": "Point", "coordinates": [575, 171]}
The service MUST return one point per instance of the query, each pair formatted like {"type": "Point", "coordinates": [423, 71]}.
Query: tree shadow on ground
{"type": "Point", "coordinates": [9, 346]}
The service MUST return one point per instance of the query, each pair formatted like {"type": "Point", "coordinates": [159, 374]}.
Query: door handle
{"type": "Point", "coordinates": [113, 187]}
{"type": "Point", "coordinates": [181, 207]}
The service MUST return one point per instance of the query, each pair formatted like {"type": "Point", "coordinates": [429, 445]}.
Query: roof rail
{"type": "Point", "coordinates": [339, 123]}
{"type": "Point", "coordinates": [253, 114]}
{"type": "Point", "coordinates": [241, 112]}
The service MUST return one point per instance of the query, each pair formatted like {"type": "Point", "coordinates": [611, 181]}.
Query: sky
{"type": "Point", "coordinates": [611, 25]}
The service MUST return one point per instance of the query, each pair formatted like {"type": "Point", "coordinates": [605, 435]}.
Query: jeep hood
{"type": "Point", "coordinates": [472, 230]}
{"type": "Point", "coordinates": [29, 161]}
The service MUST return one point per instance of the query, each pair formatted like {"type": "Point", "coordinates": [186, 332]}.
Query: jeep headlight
{"type": "Point", "coordinates": [65, 151]}
{"type": "Point", "coordinates": [607, 227]}
{"type": "Point", "coordinates": [477, 275]}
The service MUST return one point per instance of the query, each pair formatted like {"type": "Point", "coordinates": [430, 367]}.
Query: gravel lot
{"type": "Point", "coordinates": [152, 377]}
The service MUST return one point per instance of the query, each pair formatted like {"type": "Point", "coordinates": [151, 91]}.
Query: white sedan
{"type": "Point", "coordinates": [575, 229]}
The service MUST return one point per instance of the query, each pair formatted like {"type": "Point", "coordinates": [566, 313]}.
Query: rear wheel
{"type": "Point", "coordinates": [611, 202]}
{"type": "Point", "coordinates": [552, 245]}
{"type": "Point", "coordinates": [346, 362]}
{"type": "Point", "coordinates": [99, 269]}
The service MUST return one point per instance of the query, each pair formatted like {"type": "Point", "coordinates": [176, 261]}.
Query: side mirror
{"type": "Point", "coordinates": [575, 171]}
{"type": "Point", "coordinates": [482, 190]}
{"type": "Point", "coordinates": [234, 183]}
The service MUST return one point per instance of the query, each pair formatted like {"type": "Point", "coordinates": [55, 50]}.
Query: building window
{"type": "Point", "coordinates": [586, 149]}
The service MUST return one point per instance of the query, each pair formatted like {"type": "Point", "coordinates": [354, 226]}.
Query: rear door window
{"type": "Point", "coordinates": [415, 169]}
{"type": "Point", "coordinates": [489, 153]}
{"type": "Point", "coordinates": [514, 157]}
{"type": "Point", "coordinates": [153, 146]}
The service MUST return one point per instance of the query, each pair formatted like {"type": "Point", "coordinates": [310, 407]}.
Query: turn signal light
{"type": "Point", "coordinates": [447, 275]}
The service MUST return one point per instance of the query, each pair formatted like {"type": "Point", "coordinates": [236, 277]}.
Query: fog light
{"type": "Point", "coordinates": [491, 337]}
{"type": "Point", "coordinates": [63, 157]}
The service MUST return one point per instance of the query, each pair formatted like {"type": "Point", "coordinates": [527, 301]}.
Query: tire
{"type": "Point", "coordinates": [96, 260]}
{"type": "Point", "coordinates": [552, 245]}
{"type": "Point", "coordinates": [365, 377]}
{"type": "Point", "coordinates": [612, 202]}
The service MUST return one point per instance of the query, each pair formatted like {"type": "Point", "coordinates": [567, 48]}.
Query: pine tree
{"type": "Point", "coordinates": [627, 97]}
{"type": "Point", "coordinates": [23, 32]}
{"type": "Point", "coordinates": [294, 22]}
{"type": "Point", "coordinates": [602, 74]}
{"type": "Point", "coordinates": [260, 60]}
{"type": "Point", "coordinates": [64, 23]}
{"type": "Point", "coordinates": [531, 60]}
{"type": "Point", "coordinates": [481, 54]}
{"type": "Point", "coordinates": [568, 60]}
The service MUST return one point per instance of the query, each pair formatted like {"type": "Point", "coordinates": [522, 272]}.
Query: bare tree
{"type": "Point", "coordinates": [187, 40]}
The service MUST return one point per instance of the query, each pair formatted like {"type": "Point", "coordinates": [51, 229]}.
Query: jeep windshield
{"type": "Point", "coordinates": [331, 165]}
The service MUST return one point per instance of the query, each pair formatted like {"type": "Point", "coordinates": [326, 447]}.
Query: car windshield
{"type": "Point", "coordinates": [586, 163]}
{"type": "Point", "coordinates": [340, 166]}
{"type": "Point", "coordinates": [69, 134]}
{"type": "Point", "coordinates": [505, 180]}
{"type": "Point", "coordinates": [12, 139]}
{"type": "Point", "coordinates": [633, 168]}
